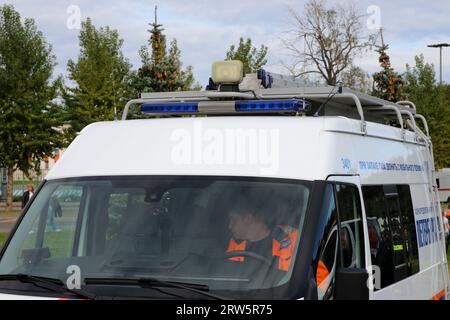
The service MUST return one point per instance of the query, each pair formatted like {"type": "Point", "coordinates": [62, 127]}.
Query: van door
{"type": "Point", "coordinates": [350, 251]}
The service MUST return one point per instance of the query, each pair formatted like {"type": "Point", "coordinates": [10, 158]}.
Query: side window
{"type": "Point", "coordinates": [124, 203]}
{"type": "Point", "coordinates": [117, 206]}
{"type": "Point", "coordinates": [327, 250]}
{"type": "Point", "coordinates": [379, 232]}
{"type": "Point", "coordinates": [59, 222]}
{"type": "Point", "coordinates": [133, 225]}
{"type": "Point", "coordinates": [62, 216]}
{"type": "Point", "coordinates": [392, 231]}
{"type": "Point", "coordinates": [398, 244]}
{"type": "Point", "coordinates": [348, 252]}
{"type": "Point", "coordinates": [351, 226]}
{"type": "Point", "coordinates": [409, 228]}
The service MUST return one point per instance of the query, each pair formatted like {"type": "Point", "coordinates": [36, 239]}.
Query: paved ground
{"type": "Point", "coordinates": [16, 206]}
{"type": "Point", "coordinates": [7, 222]}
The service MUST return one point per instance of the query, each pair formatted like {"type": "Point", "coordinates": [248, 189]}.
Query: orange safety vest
{"type": "Point", "coordinates": [447, 213]}
{"type": "Point", "coordinates": [284, 254]}
{"type": "Point", "coordinates": [322, 273]}
{"type": "Point", "coordinates": [283, 248]}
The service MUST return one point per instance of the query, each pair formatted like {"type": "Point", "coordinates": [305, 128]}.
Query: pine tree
{"type": "Point", "coordinates": [28, 116]}
{"type": "Point", "coordinates": [100, 78]}
{"type": "Point", "coordinates": [388, 84]}
{"type": "Point", "coordinates": [161, 70]}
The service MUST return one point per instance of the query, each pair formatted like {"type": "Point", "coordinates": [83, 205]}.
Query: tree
{"type": "Point", "coordinates": [28, 116]}
{"type": "Point", "coordinates": [99, 75]}
{"type": "Point", "coordinates": [388, 84]}
{"type": "Point", "coordinates": [161, 70]}
{"type": "Point", "coordinates": [356, 78]}
{"type": "Point", "coordinates": [325, 40]}
{"type": "Point", "coordinates": [252, 58]}
{"type": "Point", "coordinates": [432, 101]}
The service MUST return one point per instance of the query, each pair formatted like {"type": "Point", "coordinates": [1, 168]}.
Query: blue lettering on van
{"type": "Point", "coordinates": [423, 210]}
{"type": "Point", "coordinates": [427, 231]}
{"type": "Point", "coordinates": [346, 164]}
{"type": "Point", "coordinates": [388, 166]}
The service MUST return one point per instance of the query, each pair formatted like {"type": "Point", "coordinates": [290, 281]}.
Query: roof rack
{"type": "Point", "coordinates": [215, 102]}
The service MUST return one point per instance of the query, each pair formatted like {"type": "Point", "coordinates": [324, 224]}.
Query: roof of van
{"type": "Point", "coordinates": [311, 91]}
{"type": "Point", "coordinates": [267, 146]}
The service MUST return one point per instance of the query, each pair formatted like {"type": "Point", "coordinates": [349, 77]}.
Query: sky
{"type": "Point", "coordinates": [205, 29]}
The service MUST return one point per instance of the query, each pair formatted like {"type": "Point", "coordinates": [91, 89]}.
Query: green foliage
{"type": "Point", "coordinates": [3, 237]}
{"type": "Point", "coordinates": [99, 75]}
{"type": "Point", "coordinates": [433, 102]}
{"type": "Point", "coordinates": [252, 58]}
{"type": "Point", "coordinates": [161, 69]}
{"type": "Point", "coordinates": [388, 84]}
{"type": "Point", "coordinates": [29, 117]}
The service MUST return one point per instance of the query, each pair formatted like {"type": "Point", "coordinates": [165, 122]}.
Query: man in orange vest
{"type": "Point", "coordinates": [252, 233]}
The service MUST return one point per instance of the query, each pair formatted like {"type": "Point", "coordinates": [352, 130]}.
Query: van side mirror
{"type": "Point", "coordinates": [351, 284]}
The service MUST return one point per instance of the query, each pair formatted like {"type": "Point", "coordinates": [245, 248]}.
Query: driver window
{"type": "Point", "coordinates": [326, 267]}
{"type": "Point", "coordinates": [346, 247]}
{"type": "Point", "coordinates": [58, 221]}
{"type": "Point", "coordinates": [351, 226]}
{"type": "Point", "coordinates": [327, 247]}
{"type": "Point", "coordinates": [347, 242]}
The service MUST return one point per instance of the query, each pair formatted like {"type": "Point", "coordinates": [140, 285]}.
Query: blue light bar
{"type": "Point", "coordinates": [175, 107]}
{"type": "Point", "coordinates": [240, 106]}
{"type": "Point", "coordinates": [273, 105]}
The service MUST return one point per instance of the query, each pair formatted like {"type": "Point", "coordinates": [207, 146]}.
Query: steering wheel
{"type": "Point", "coordinates": [249, 254]}
{"type": "Point", "coordinates": [261, 276]}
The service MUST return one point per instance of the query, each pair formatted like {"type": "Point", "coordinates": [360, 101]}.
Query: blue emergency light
{"type": "Point", "coordinates": [170, 107]}
{"type": "Point", "coordinates": [240, 106]}
{"type": "Point", "coordinates": [272, 105]}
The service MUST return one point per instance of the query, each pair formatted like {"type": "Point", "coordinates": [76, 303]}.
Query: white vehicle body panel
{"type": "Point", "coordinates": [302, 148]}
{"type": "Point", "coordinates": [5, 296]}
{"type": "Point", "coordinates": [305, 148]}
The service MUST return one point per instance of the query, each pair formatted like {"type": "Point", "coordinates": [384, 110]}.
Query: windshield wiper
{"type": "Point", "coordinates": [154, 284]}
{"type": "Point", "coordinates": [52, 284]}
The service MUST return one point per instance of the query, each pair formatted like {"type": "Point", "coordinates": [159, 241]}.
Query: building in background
{"type": "Point", "coordinates": [46, 164]}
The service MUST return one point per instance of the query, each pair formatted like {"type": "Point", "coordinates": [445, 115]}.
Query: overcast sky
{"type": "Point", "coordinates": [205, 29]}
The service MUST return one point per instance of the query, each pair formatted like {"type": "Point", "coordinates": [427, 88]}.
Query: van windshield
{"type": "Point", "coordinates": [231, 235]}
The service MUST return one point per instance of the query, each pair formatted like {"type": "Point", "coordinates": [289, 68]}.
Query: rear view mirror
{"type": "Point", "coordinates": [351, 284]}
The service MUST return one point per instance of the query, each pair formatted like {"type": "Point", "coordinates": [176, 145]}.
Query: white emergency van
{"type": "Point", "coordinates": [269, 190]}
{"type": "Point", "coordinates": [443, 183]}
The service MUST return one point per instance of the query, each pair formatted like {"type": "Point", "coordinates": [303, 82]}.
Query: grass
{"type": "Point", "coordinates": [59, 243]}
{"type": "Point", "coordinates": [3, 237]}
{"type": "Point", "coordinates": [448, 263]}
{"type": "Point", "coordinates": [11, 212]}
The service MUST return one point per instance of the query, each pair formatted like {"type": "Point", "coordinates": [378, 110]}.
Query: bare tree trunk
{"type": "Point", "coordinates": [9, 189]}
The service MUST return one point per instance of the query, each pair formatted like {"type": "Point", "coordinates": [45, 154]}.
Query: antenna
{"type": "Point", "coordinates": [114, 94]}
{"type": "Point", "coordinates": [382, 39]}
{"type": "Point", "coordinates": [156, 14]}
